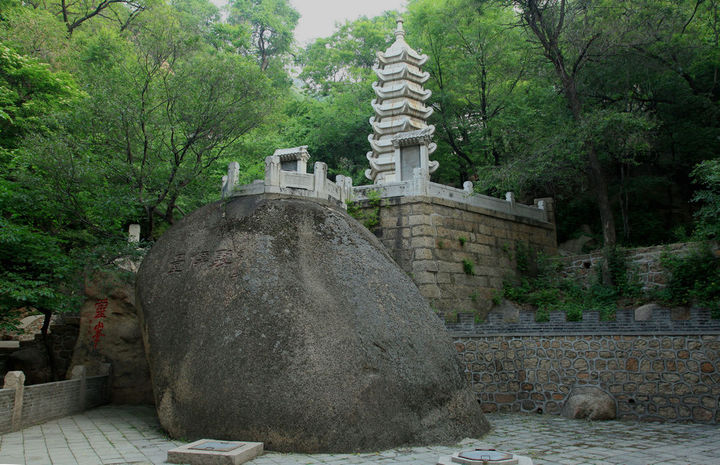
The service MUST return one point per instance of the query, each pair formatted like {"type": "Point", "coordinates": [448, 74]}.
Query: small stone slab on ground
{"type": "Point", "coordinates": [212, 452]}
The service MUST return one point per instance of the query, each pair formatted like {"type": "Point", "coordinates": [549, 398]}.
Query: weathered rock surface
{"type": "Point", "coordinates": [119, 342]}
{"type": "Point", "coordinates": [589, 402]}
{"type": "Point", "coordinates": [645, 312]}
{"type": "Point", "coordinates": [285, 321]}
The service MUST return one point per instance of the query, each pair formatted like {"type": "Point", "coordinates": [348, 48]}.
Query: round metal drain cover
{"type": "Point", "coordinates": [484, 457]}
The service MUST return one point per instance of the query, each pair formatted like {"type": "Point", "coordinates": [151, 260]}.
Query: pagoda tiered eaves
{"type": "Point", "coordinates": [403, 72]}
{"type": "Point", "coordinates": [404, 89]}
{"type": "Point", "coordinates": [399, 109]}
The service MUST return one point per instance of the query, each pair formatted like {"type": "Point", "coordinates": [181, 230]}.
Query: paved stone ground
{"type": "Point", "coordinates": [131, 435]}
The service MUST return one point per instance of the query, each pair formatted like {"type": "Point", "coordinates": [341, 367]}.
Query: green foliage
{"type": "Point", "coordinates": [497, 297]}
{"type": "Point", "coordinates": [476, 68]}
{"type": "Point", "coordinates": [542, 315]}
{"type": "Point", "coordinates": [29, 90]}
{"type": "Point", "coordinates": [625, 281]}
{"type": "Point", "coordinates": [370, 216]}
{"type": "Point", "coordinates": [707, 175]}
{"type": "Point", "coordinates": [462, 241]}
{"type": "Point", "coordinates": [694, 279]}
{"type": "Point", "coordinates": [344, 61]}
{"type": "Point", "coordinates": [468, 267]}
{"type": "Point", "coordinates": [107, 119]}
{"type": "Point", "coordinates": [540, 283]}
{"type": "Point", "coordinates": [265, 29]}
{"type": "Point", "coordinates": [35, 270]}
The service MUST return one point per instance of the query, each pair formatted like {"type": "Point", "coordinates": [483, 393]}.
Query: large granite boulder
{"type": "Point", "coordinates": [589, 402]}
{"type": "Point", "coordinates": [285, 321]}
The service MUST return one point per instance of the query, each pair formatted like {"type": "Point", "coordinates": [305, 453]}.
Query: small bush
{"type": "Point", "coordinates": [497, 298]}
{"type": "Point", "coordinates": [542, 315]}
{"type": "Point", "coordinates": [574, 313]}
{"type": "Point", "coordinates": [468, 267]}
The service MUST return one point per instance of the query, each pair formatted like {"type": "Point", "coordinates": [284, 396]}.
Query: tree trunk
{"type": "Point", "coordinates": [47, 342]}
{"type": "Point", "coordinates": [548, 31]}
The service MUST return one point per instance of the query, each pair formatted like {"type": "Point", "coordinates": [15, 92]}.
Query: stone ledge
{"type": "Point", "coordinates": [517, 217]}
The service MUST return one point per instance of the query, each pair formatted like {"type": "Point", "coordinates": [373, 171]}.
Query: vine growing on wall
{"type": "Point", "coordinates": [370, 215]}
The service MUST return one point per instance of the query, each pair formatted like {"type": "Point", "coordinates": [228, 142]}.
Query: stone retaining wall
{"type": "Point", "coordinates": [659, 369]}
{"type": "Point", "coordinates": [437, 240]}
{"type": "Point", "coordinates": [643, 262]}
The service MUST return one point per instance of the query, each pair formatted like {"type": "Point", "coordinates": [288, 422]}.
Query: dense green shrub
{"type": "Point", "coordinates": [539, 283]}
{"type": "Point", "coordinates": [694, 279]}
{"type": "Point", "coordinates": [707, 174]}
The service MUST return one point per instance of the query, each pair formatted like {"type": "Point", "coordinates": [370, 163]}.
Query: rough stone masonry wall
{"type": "Point", "coordinates": [643, 262]}
{"type": "Point", "coordinates": [671, 373]}
{"type": "Point", "coordinates": [425, 237]}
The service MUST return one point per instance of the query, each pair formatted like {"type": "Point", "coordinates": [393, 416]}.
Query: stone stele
{"type": "Point", "coordinates": [284, 321]}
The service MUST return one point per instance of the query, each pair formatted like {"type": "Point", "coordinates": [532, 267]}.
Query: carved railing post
{"type": "Point", "coordinates": [16, 380]}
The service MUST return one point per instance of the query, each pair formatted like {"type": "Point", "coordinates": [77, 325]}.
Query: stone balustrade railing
{"type": "Point", "coordinates": [421, 185]}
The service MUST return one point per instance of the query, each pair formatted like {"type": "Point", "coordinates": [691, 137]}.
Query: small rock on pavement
{"type": "Point", "coordinates": [589, 402]}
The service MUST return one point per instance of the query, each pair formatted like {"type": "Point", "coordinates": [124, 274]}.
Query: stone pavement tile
{"type": "Point", "coordinates": [115, 434]}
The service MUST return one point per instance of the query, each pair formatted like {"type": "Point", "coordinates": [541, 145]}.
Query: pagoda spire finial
{"type": "Point", "coordinates": [399, 31]}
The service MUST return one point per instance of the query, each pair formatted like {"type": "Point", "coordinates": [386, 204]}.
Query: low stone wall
{"type": "Point", "coordinates": [23, 406]}
{"type": "Point", "coordinates": [458, 253]}
{"type": "Point", "coordinates": [7, 400]}
{"type": "Point", "coordinates": [661, 370]}
{"type": "Point", "coordinates": [43, 402]}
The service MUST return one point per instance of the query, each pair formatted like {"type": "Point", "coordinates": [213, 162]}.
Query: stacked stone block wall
{"type": "Point", "coordinates": [663, 369]}
{"type": "Point", "coordinates": [433, 238]}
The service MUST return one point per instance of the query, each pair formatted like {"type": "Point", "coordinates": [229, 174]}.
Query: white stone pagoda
{"type": "Point", "coordinates": [401, 140]}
